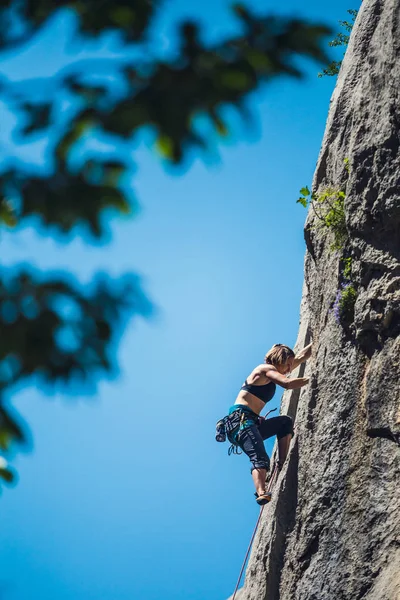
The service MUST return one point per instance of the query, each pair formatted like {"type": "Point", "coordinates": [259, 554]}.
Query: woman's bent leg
{"type": "Point", "coordinates": [282, 427]}
{"type": "Point", "coordinates": [252, 444]}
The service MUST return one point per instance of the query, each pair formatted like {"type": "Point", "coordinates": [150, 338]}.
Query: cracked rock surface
{"type": "Point", "coordinates": [332, 530]}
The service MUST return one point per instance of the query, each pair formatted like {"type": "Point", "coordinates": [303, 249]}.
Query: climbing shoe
{"type": "Point", "coordinates": [263, 498]}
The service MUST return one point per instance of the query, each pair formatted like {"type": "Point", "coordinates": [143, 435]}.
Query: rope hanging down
{"type": "Point", "coordinates": [269, 487]}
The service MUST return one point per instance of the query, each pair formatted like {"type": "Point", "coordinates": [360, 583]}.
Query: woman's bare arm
{"type": "Point", "coordinates": [302, 356]}
{"type": "Point", "coordinates": [288, 384]}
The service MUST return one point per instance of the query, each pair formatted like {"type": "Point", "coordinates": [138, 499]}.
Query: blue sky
{"type": "Point", "coordinates": [126, 495]}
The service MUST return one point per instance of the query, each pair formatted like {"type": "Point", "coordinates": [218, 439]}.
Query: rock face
{"type": "Point", "coordinates": [333, 528]}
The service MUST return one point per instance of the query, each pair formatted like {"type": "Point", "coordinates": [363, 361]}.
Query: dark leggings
{"type": "Point", "coordinates": [251, 439]}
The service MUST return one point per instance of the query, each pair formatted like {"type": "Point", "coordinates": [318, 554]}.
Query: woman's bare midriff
{"type": "Point", "coordinates": [247, 399]}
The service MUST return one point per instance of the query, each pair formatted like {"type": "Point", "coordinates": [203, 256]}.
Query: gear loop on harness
{"type": "Point", "coordinates": [234, 449]}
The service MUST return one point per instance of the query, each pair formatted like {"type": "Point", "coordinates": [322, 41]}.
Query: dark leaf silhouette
{"type": "Point", "coordinates": [11, 428]}
{"type": "Point", "coordinates": [7, 475]}
{"type": "Point", "coordinates": [95, 16]}
{"type": "Point", "coordinates": [165, 95]}
{"type": "Point", "coordinates": [38, 117]}
{"type": "Point", "coordinates": [58, 332]}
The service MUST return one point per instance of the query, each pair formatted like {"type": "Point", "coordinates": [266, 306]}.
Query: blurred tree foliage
{"type": "Point", "coordinates": [342, 39]}
{"type": "Point", "coordinates": [52, 329]}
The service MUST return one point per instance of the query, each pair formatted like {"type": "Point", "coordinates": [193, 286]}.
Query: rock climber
{"type": "Point", "coordinates": [244, 426]}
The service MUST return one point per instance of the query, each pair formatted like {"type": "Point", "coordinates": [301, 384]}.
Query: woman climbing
{"type": "Point", "coordinates": [244, 426]}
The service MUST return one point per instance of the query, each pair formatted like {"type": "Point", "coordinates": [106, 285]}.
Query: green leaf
{"type": "Point", "coordinates": [259, 61]}
{"type": "Point", "coordinates": [5, 439]}
{"type": "Point", "coordinates": [39, 117]}
{"type": "Point", "coordinates": [7, 214]}
{"type": "Point", "coordinates": [7, 475]}
{"type": "Point", "coordinates": [302, 201]}
{"type": "Point", "coordinates": [305, 191]}
{"type": "Point", "coordinates": [236, 80]}
{"type": "Point", "coordinates": [123, 16]}
{"type": "Point", "coordinates": [165, 147]}
{"type": "Point", "coordinates": [220, 125]}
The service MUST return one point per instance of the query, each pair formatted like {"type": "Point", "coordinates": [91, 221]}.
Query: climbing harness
{"type": "Point", "coordinates": [269, 487]}
{"type": "Point", "coordinates": [231, 426]}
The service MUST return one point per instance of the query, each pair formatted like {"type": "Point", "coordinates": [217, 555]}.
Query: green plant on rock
{"type": "Point", "coordinates": [347, 262]}
{"type": "Point", "coordinates": [306, 197]}
{"type": "Point", "coordinates": [329, 209]}
{"type": "Point", "coordinates": [346, 295]}
{"type": "Point", "coordinates": [346, 303]}
{"type": "Point", "coordinates": [332, 215]}
{"type": "Point", "coordinates": [342, 39]}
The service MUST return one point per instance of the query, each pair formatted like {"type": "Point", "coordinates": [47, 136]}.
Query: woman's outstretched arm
{"type": "Point", "coordinates": [302, 356]}
{"type": "Point", "coordinates": [287, 384]}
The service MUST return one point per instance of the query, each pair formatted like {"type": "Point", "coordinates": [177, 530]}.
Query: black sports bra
{"type": "Point", "coordinates": [265, 392]}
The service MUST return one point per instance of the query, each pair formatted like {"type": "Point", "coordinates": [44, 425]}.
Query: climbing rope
{"type": "Point", "coordinates": [269, 488]}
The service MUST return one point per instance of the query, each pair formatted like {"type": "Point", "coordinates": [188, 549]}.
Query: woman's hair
{"type": "Point", "coordinates": [278, 355]}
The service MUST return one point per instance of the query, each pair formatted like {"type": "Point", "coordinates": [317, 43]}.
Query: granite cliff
{"type": "Point", "coordinates": [332, 530]}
